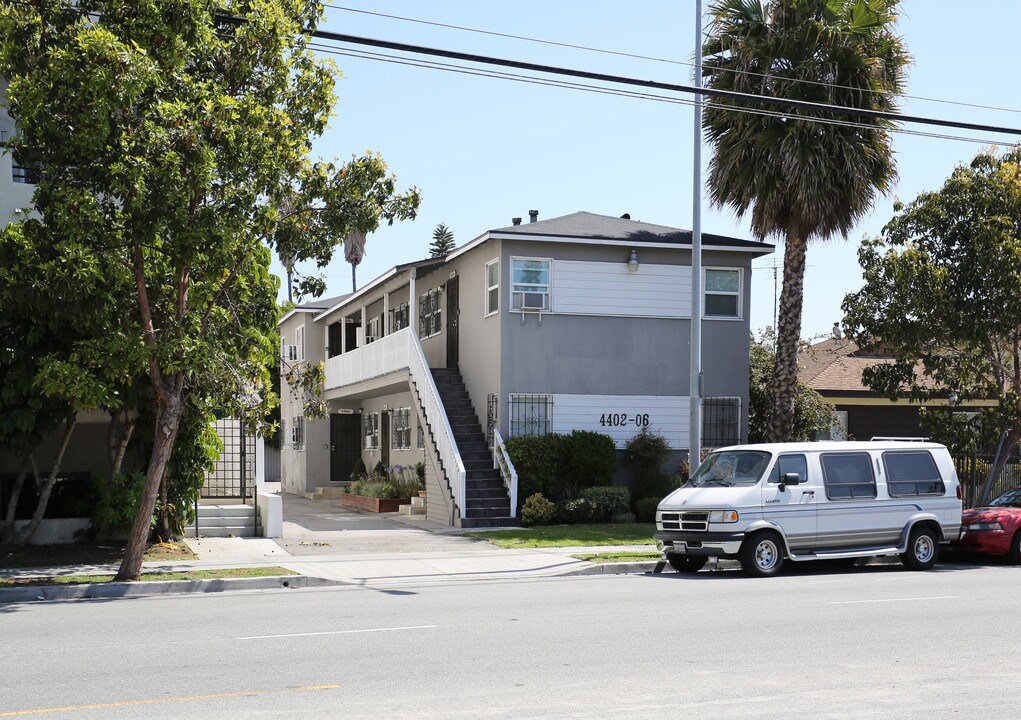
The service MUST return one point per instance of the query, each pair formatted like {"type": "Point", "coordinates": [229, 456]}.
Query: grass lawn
{"type": "Point", "coordinates": [571, 535]}
{"type": "Point", "coordinates": [613, 557]}
{"type": "Point", "coordinates": [85, 554]}
{"type": "Point", "coordinates": [185, 575]}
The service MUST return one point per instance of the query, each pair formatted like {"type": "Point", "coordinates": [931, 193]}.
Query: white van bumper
{"type": "Point", "coordinates": [707, 544]}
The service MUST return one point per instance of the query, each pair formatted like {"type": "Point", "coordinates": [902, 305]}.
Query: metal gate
{"type": "Point", "coordinates": [234, 474]}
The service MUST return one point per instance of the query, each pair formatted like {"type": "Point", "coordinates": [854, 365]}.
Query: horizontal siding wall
{"type": "Point", "coordinates": [623, 416]}
{"type": "Point", "coordinates": [605, 288]}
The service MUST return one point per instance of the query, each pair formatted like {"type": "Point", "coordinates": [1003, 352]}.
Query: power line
{"type": "Point", "coordinates": [673, 87]}
{"type": "Point", "coordinates": [636, 56]}
{"type": "Point", "coordinates": [529, 79]}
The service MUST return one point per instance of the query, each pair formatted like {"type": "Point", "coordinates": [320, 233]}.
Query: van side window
{"type": "Point", "coordinates": [789, 464]}
{"type": "Point", "coordinates": [848, 476]}
{"type": "Point", "coordinates": [912, 473]}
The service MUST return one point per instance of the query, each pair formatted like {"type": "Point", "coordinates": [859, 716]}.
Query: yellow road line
{"type": "Point", "coordinates": [158, 701]}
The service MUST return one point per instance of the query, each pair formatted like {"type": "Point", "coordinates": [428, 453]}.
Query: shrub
{"type": "Point", "coordinates": [607, 501]}
{"type": "Point", "coordinates": [645, 509]}
{"type": "Point", "coordinates": [537, 510]}
{"type": "Point", "coordinates": [645, 454]}
{"type": "Point", "coordinates": [359, 470]}
{"type": "Point", "coordinates": [588, 459]}
{"type": "Point", "coordinates": [576, 511]}
{"type": "Point", "coordinates": [536, 460]}
{"type": "Point", "coordinates": [379, 470]}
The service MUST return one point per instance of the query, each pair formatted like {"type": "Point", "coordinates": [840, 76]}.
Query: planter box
{"type": "Point", "coordinates": [368, 504]}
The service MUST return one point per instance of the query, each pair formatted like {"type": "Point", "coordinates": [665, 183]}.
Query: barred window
{"type": "Point", "coordinates": [721, 421]}
{"type": "Point", "coordinates": [370, 430]}
{"type": "Point", "coordinates": [421, 437]}
{"type": "Point", "coordinates": [298, 432]}
{"type": "Point", "coordinates": [530, 414]}
{"type": "Point", "coordinates": [401, 432]}
{"type": "Point", "coordinates": [429, 313]}
{"type": "Point", "coordinates": [399, 317]}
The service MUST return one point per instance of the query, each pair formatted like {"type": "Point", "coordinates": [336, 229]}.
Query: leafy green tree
{"type": "Point", "coordinates": [942, 293]}
{"type": "Point", "coordinates": [167, 134]}
{"type": "Point", "coordinates": [801, 174]}
{"type": "Point", "coordinates": [812, 412]}
{"type": "Point", "coordinates": [443, 241]}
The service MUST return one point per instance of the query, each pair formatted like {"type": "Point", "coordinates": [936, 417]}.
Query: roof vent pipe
{"type": "Point", "coordinates": [515, 221]}
{"type": "Point", "coordinates": [533, 215]}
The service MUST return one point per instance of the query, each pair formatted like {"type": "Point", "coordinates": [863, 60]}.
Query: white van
{"type": "Point", "coordinates": [813, 501]}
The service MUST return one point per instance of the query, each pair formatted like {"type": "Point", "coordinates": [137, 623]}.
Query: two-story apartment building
{"type": "Point", "coordinates": [577, 322]}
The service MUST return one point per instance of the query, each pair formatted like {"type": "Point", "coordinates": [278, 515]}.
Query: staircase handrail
{"type": "Point", "coordinates": [436, 414]}
{"type": "Point", "coordinates": [502, 461]}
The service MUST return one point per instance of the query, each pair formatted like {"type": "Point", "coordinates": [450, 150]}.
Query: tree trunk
{"type": "Point", "coordinates": [354, 280]}
{"type": "Point", "coordinates": [122, 426]}
{"type": "Point", "coordinates": [788, 335]}
{"type": "Point", "coordinates": [1007, 444]}
{"type": "Point", "coordinates": [7, 528]}
{"type": "Point", "coordinates": [168, 421]}
{"type": "Point", "coordinates": [28, 531]}
{"type": "Point", "coordinates": [163, 520]}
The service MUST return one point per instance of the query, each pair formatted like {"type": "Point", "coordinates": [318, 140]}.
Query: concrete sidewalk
{"type": "Point", "coordinates": [338, 546]}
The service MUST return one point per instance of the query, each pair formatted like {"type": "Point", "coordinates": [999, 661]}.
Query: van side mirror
{"type": "Point", "coordinates": [789, 479]}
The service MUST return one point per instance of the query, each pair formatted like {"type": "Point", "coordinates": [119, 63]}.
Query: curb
{"type": "Point", "coordinates": [143, 588]}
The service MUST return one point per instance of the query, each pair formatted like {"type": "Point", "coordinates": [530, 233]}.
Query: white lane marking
{"type": "Point", "coordinates": [339, 632]}
{"type": "Point", "coordinates": [910, 599]}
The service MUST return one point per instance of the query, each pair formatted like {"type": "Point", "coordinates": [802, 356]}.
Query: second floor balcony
{"type": "Point", "coordinates": [388, 355]}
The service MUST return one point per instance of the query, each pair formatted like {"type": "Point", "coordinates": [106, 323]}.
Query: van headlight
{"type": "Point", "coordinates": [723, 516]}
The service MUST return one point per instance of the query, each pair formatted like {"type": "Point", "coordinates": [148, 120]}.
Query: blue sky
{"type": "Point", "coordinates": [483, 150]}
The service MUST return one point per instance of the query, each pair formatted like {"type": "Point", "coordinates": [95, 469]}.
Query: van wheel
{"type": "Point", "coordinates": [923, 549]}
{"type": "Point", "coordinates": [761, 554]}
{"type": "Point", "coordinates": [1015, 548]}
{"type": "Point", "coordinates": [686, 563]}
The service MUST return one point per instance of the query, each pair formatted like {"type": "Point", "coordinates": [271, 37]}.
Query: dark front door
{"type": "Point", "coordinates": [384, 438]}
{"type": "Point", "coordinates": [334, 337]}
{"type": "Point", "coordinates": [452, 312]}
{"type": "Point", "coordinates": [345, 445]}
{"type": "Point", "coordinates": [351, 331]}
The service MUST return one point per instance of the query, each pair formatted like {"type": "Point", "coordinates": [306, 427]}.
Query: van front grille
{"type": "Point", "coordinates": [693, 521]}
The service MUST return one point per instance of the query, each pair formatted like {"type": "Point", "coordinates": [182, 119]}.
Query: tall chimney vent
{"type": "Point", "coordinates": [533, 216]}
{"type": "Point", "coordinates": [515, 221]}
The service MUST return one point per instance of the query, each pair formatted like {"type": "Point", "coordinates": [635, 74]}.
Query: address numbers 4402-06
{"type": "Point", "coordinates": [624, 419]}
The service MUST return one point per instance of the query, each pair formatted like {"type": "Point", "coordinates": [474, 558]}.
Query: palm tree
{"type": "Point", "coordinates": [802, 174]}
{"type": "Point", "coordinates": [354, 251]}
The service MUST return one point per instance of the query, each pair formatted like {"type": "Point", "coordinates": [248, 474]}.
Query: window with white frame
{"type": "Point", "coordinates": [298, 432]}
{"type": "Point", "coordinates": [401, 432]}
{"type": "Point", "coordinates": [429, 313]}
{"type": "Point", "coordinates": [492, 287]}
{"type": "Point", "coordinates": [299, 340]}
{"type": "Point", "coordinates": [399, 317]}
{"type": "Point", "coordinates": [723, 292]}
{"type": "Point", "coordinates": [530, 414]}
{"type": "Point", "coordinates": [370, 430]}
{"type": "Point", "coordinates": [530, 284]}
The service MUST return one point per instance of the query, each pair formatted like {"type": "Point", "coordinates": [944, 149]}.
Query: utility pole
{"type": "Point", "coordinates": [695, 381]}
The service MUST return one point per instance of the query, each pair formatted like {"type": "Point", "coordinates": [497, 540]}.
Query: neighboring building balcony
{"type": "Point", "coordinates": [387, 356]}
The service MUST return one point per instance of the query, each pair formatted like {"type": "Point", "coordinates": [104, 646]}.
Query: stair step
{"type": "Point", "coordinates": [226, 511]}
{"type": "Point", "coordinates": [411, 510]}
{"type": "Point", "coordinates": [487, 473]}
{"type": "Point", "coordinates": [490, 522]}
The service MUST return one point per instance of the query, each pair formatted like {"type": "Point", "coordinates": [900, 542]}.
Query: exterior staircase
{"type": "Point", "coordinates": [227, 520]}
{"type": "Point", "coordinates": [487, 503]}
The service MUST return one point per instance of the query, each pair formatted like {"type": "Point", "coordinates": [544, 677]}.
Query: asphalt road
{"type": "Point", "coordinates": [877, 642]}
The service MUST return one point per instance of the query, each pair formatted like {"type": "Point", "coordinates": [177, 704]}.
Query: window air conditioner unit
{"type": "Point", "coordinates": [533, 302]}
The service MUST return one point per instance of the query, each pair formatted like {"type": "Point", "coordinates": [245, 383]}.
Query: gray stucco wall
{"type": "Point", "coordinates": [595, 355]}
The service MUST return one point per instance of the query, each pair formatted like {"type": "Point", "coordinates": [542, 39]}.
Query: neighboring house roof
{"type": "Point", "coordinates": [313, 306]}
{"type": "Point", "coordinates": [586, 225]}
{"type": "Point", "coordinates": [835, 366]}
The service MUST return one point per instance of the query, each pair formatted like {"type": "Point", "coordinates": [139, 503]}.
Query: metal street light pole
{"type": "Point", "coordinates": [695, 381]}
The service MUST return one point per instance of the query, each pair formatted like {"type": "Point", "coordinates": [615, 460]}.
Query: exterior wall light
{"type": "Point", "coordinates": [632, 263]}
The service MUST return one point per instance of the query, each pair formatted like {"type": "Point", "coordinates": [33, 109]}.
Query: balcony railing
{"type": "Point", "coordinates": [387, 355]}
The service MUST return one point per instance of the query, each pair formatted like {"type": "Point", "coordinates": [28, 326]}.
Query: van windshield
{"type": "Point", "coordinates": [731, 467]}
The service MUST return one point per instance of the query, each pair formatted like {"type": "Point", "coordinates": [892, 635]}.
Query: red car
{"type": "Point", "coordinates": [996, 529]}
